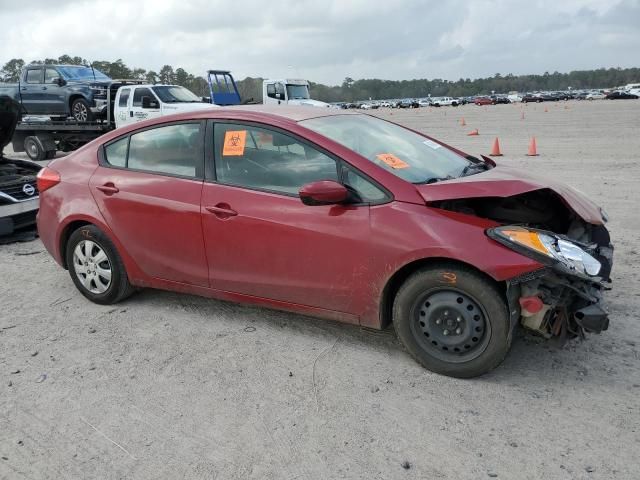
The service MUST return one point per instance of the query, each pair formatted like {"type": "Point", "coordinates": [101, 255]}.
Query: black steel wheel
{"type": "Point", "coordinates": [450, 325]}
{"type": "Point", "coordinates": [33, 148]}
{"type": "Point", "coordinates": [453, 320]}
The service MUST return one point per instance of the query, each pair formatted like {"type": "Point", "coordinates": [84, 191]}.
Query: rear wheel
{"type": "Point", "coordinates": [33, 148]}
{"type": "Point", "coordinates": [452, 320]}
{"type": "Point", "coordinates": [95, 266]}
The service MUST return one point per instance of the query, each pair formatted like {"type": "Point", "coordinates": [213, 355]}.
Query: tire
{"type": "Point", "coordinates": [89, 240]}
{"type": "Point", "coordinates": [33, 148]}
{"type": "Point", "coordinates": [452, 320]}
{"type": "Point", "coordinates": [81, 110]}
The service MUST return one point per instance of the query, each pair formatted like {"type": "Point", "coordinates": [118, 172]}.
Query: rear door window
{"type": "Point", "coordinates": [34, 75]}
{"type": "Point", "coordinates": [169, 149]}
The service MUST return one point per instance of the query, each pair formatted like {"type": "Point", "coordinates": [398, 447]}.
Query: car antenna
{"type": "Point", "coordinates": [92, 71]}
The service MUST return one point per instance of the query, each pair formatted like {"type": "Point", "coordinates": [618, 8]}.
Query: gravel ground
{"type": "Point", "coordinates": [174, 386]}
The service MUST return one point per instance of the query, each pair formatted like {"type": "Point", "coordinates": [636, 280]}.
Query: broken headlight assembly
{"type": "Point", "coordinates": [547, 248]}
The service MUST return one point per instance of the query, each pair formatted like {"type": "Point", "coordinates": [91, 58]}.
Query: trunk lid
{"type": "Point", "coordinates": [503, 181]}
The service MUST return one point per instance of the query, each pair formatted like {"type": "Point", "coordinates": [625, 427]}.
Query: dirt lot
{"type": "Point", "coordinates": [174, 386]}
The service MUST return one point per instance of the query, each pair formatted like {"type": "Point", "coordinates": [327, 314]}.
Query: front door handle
{"type": "Point", "coordinates": [222, 211]}
{"type": "Point", "coordinates": [44, 88]}
{"type": "Point", "coordinates": [108, 188]}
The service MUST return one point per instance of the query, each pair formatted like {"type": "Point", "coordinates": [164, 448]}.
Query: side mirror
{"type": "Point", "coordinates": [148, 103]}
{"type": "Point", "coordinates": [60, 81]}
{"type": "Point", "coordinates": [323, 192]}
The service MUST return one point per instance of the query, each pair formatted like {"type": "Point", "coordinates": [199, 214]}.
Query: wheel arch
{"type": "Point", "coordinates": [64, 237]}
{"type": "Point", "coordinates": [398, 278]}
{"type": "Point", "coordinates": [72, 98]}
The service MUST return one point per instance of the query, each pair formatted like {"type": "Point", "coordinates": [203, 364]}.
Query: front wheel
{"type": "Point", "coordinates": [81, 111]}
{"type": "Point", "coordinates": [452, 320]}
{"type": "Point", "coordinates": [95, 266]}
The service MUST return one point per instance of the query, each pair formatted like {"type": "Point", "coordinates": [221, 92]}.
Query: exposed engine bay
{"type": "Point", "coordinates": [563, 299]}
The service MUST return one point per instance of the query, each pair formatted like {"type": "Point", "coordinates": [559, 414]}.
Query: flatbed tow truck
{"type": "Point", "coordinates": [40, 137]}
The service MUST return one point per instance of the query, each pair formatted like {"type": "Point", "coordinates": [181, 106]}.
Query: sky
{"type": "Point", "coordinates": [328, 40]}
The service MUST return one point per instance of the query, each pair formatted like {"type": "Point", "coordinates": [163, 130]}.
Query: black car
{"type": "Point", "coordinates": [619, 95]}
{"type": "Point", "coordinates": [530, 97]}
{"type": "Point", "coordinates": [18, 189]}
{"type": "Point", "coordinates": [498, 99]}
{"type": "Point", "coordinates": [407, 103]}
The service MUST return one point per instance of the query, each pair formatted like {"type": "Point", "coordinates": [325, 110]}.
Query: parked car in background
{"type": "Point", "coordinates": [18, 187]}
{"type": "Point", "coordinates": [61, 91]}
{"type": "Point", "coordinates": [407, 103]}
{"type": "Point", "coordinates": [500, 99]}
{"type": "Point", "coordinates": [484, 101]}
{"type": "Point", "coordinates": [514, 97]}
{"type": "Point", "coordinates": [595, 95]}
{"type": "Point", "coordinates": [444, 102]}
{"type": "Point", "coordinates": [335, 214]}
{"type": "Point", "coordinates": [532, 97]}
{"type": "Point", "coordinates": [620, 95]}
{"type": "Point", "coordinates": [424, 102]}
{"type": "Point", "coordinates": [386, 104]}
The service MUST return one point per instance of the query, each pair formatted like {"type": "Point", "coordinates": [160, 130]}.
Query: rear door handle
{"type": "Point", "coordinates": [44, 88]}
{"type": "Point", "coordinates": [108, 188]}
{"type": "Point", "coordinates": [24, 88]}
{"type": "Point", "coordinates": [222, 211]}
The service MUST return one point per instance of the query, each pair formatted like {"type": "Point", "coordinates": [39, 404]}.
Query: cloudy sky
{"type": "Point", "coordinates": [327, 40]}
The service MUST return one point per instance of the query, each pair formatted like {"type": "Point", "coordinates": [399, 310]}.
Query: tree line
{"type": "Point", "coordinates": [353, 90]}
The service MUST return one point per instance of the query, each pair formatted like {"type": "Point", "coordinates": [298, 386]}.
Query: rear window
{"type": "Point", "coordinates": [116, 152]}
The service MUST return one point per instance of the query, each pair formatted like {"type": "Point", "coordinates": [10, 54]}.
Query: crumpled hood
{"type": "Point", "coordinates": [9, 116]}
{"type": "Point", "coordinates": [309, 103]}
{"type": "Point", "coordinates": [505, 181]}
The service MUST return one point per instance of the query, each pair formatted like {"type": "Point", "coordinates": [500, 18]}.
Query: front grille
{"type": "Point", "coordinates": [24, 219]}
{"type": "Point", "coordinates": [16, 190]}
{"type": "Point", "coordinates": [529, 276]}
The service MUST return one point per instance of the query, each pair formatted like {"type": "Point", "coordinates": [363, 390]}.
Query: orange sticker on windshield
{"type": "Point", "coordinates": [393, 161]}
{"type": "Point", "coordinates": [234, 141]}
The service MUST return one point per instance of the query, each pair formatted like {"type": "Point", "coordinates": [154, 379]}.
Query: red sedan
{"type": "Point", "coordinates": [335, 214]}
{"type": "Point", "coordinates": [484, 101]}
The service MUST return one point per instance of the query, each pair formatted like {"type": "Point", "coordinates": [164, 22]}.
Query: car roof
{"type": "Point", "coordinates": [259, 113]}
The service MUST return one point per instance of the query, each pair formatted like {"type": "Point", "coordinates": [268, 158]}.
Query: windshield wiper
{"type": "Point", "coordinates": [434, 180]}
{"type": "Point", "coordinates": [473, 166]}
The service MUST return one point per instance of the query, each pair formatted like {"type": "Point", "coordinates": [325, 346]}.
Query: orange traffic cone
{"type": "Point", "coordinates": [473, 133]}
{"type": "Point", "coordinates": [462, 122]}
{"type": "Point", "coordinates": [546, 109]}
{"type": "Point", "coordinates": [495, 151]}
{"type": "Point", "coordinates": [533, 149]}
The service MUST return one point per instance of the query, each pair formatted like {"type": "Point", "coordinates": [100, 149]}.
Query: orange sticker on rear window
{"type": "Point", "coordinates": [393, 161]}
{"type": "Point", "coordinates": [234, 141]}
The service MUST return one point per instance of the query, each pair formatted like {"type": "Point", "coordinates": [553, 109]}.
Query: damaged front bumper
{"type": "Point", "coordinates": [555, 304]}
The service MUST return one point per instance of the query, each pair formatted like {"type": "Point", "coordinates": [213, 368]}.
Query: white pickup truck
{"type": "Point", "coordinates": [135, 103]}
{"type": "Point", "coordinates": [288, 91]}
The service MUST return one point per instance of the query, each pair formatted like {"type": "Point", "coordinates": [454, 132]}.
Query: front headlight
{"type": "Point", "coordinates": [547, 248]}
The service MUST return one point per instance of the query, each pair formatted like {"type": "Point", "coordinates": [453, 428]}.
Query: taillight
{"type": "Point", "coordinates": [47, 178]}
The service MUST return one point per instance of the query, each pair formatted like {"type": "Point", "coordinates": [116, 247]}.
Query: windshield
{"type": "Point", "coordinates": [82, 73]}
{"type": "Point", "coordinates": [402, 152]}
{"type": "Point", "coordinates": [176, 94]}
{"type": "Point", "coordinates": [297, 92]}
